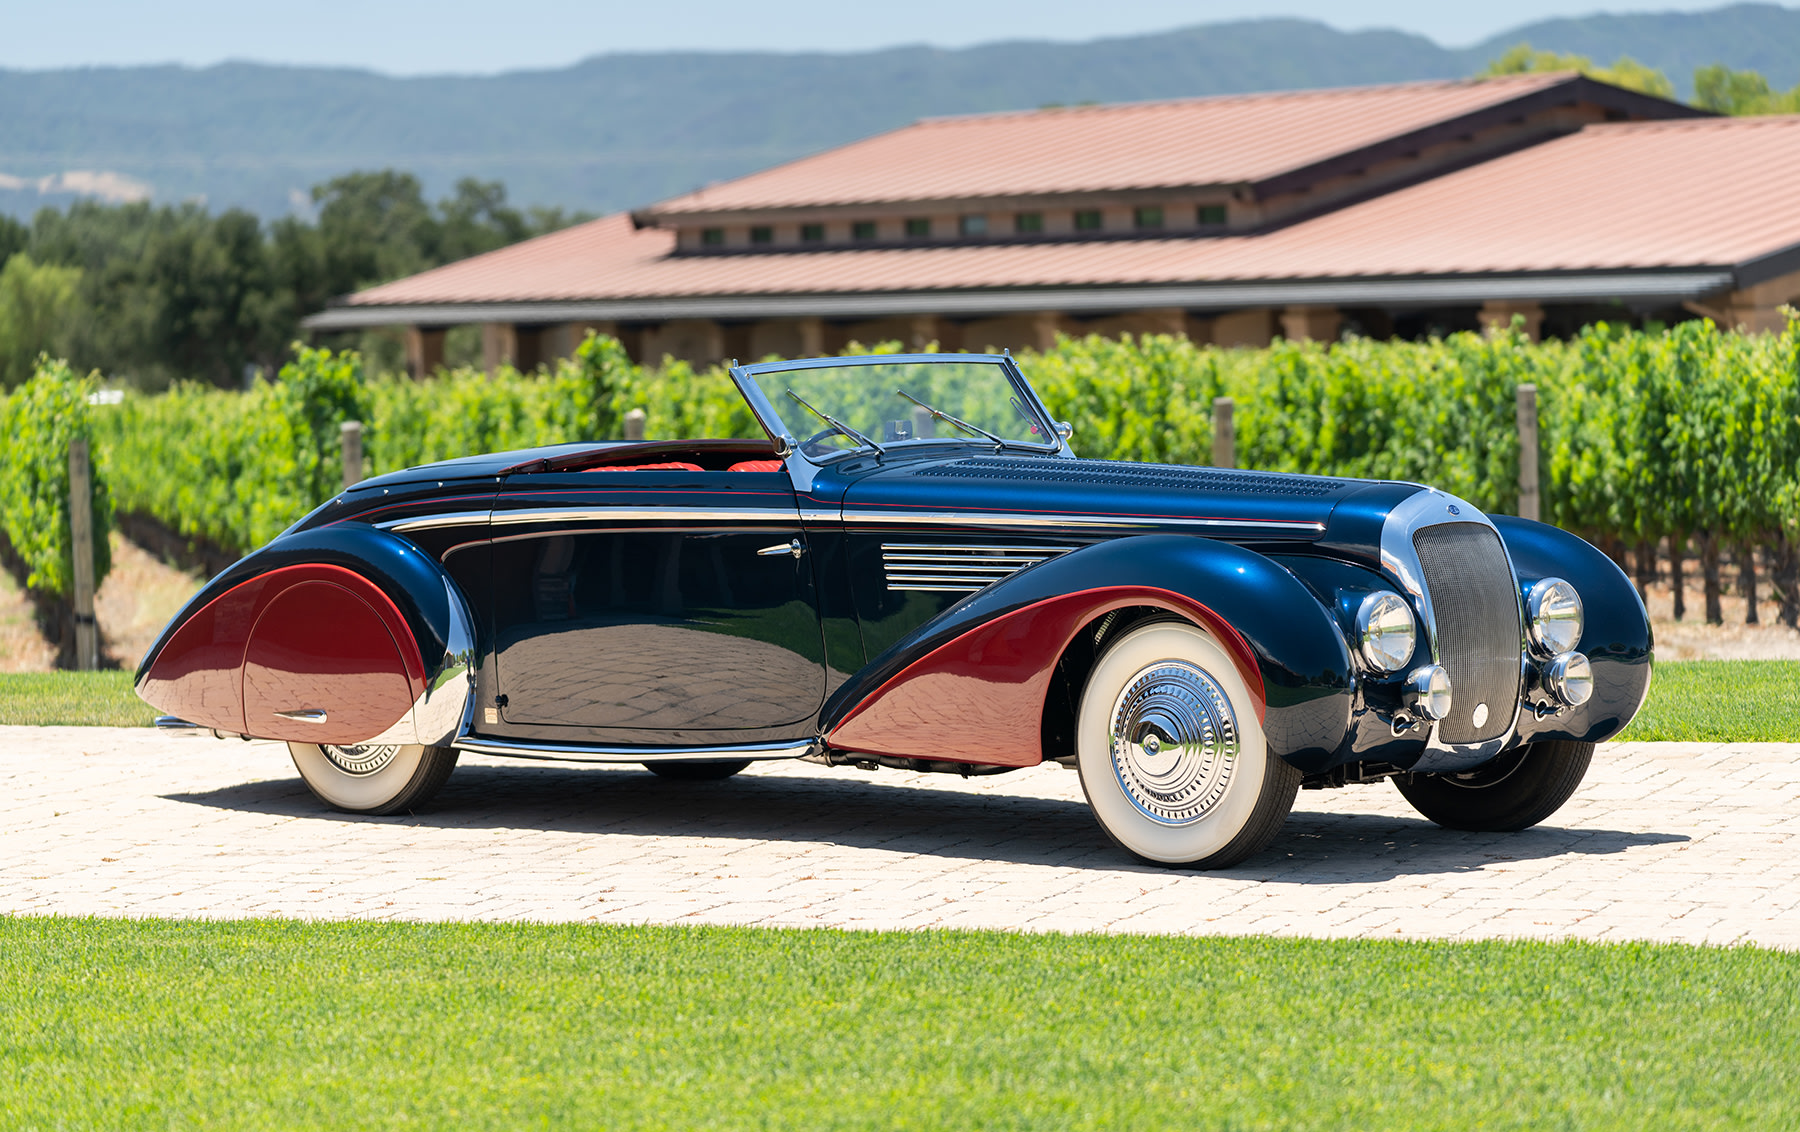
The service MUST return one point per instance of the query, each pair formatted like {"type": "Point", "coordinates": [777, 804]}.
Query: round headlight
{"type": "Point", "coordinates": [1556, 619]}
{"type": "Point", "coordinates": [1428, 691]}
{"type": "Point", "coordinates": [1570, 678]}
{"type": "Point", "coordinates": [1384, 631]}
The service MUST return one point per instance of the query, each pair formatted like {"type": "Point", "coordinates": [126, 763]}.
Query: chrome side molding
{"type": "Point", "coordinates": [598, 753]}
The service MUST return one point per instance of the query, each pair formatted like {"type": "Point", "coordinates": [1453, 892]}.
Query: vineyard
{"type": "Point", "coordinates": [1687, 438]}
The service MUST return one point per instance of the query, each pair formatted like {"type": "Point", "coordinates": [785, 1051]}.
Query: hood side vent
{"type": "Point", "coordinates": [1135, 475]}
{"type": "Point", "coordinates": [956, 568]}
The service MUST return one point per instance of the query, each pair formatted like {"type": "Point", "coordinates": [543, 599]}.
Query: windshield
{"type": "Point", "coordinates": [840, 408]}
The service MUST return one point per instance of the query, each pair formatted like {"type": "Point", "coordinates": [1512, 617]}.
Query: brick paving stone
{"type": "Point", "coordinates": [1681, 842]}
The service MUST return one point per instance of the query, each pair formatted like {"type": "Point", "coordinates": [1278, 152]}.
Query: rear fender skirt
{"type": "Point", "coordinates": [334, 635]}
{"type": "Point", "coordinates": [970, 685]}
{"type": "Point", "coordinates": [1616, 637]}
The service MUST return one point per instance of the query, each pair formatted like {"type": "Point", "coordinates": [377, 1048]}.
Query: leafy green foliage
{"type": "Point", "coordinates": [38, 420]}
{"type": "Point", "coordinates": [39, 304]}
{"type": "Point", "coordinates": [1718, 87]}
{"type": "Point", "coordinates": [236, 468]}
{"type": "Point", "coordinates": [1625, 72]}
{"type": "Point", "coordinates": [1642, 433]}
{"type": "Point", "coordinates": [177, 292]}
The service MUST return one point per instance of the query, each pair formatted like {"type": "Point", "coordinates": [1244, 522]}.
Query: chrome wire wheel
{"type": "Point", "coordinates": [369, 758]}
{"type": "Point", "coordinates": [1172, 754]}
{"type": "Point", "coordinates": [1174, 741]}
{"type": "Point", "coordinates": [372, 778]}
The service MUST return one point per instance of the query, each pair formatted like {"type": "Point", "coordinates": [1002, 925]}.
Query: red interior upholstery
{"type": "Point", "coordinates": [755, 466]}
{"type": "Point", "coordinates": [677, 466]}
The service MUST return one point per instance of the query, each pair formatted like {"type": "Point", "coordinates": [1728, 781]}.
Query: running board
{"type": "Point", "coordinates": [590, 753]}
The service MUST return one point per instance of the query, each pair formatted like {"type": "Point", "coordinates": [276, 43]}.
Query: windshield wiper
{"type": "Point", "coordinates": [939, 414]}
{"type": "Point", "coordinates": [836, 424]}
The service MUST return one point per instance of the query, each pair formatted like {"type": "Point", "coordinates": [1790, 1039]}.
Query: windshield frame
{"type": "Point", "coordinates": [788, 444]}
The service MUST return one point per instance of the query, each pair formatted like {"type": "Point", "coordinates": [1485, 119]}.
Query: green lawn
{"type": "Point", "coordinates": [82, 699]}
{"type": "Point", "coordinates": [280, 1024]}
{"type": "Point", "coordinates": [1690, 700]}
{"type": "Point", "coordinates": [1722, 701]}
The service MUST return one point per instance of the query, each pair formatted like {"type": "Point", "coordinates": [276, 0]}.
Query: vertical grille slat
{"type": "Point", "coordinates": [1475, 603]}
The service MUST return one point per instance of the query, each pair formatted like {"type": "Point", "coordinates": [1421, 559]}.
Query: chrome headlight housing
{"type": "Point", "coordinates": [1556, 619]}
{"type": "Point", "coordinates": [1428, 691]}
{"type": "Point", "coordinates": [1384, 631]}
{"type": "Point", "coordinates": [1570, 678]}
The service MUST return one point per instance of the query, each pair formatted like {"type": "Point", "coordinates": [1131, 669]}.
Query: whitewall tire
{"type": "Point", "coordinates": [1172, 755]}
{"type": "Point", "coordinates": [374, 778]}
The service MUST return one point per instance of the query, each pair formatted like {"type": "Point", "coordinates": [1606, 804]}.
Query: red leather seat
{"type": "Point", "coordinates": [677, 466]}
{"type": "Point", "coordinates": [755, 466]}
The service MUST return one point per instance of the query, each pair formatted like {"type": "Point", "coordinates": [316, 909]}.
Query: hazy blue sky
{"type": "Point", "coordinates": [421, 36]}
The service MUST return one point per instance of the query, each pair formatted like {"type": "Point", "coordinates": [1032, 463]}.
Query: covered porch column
{"type": "Point", "coordinates": [1757, 309]}
{"type": "Point", "coordinates": [1311, 324]}
{"type": "Point", "coordinates": [499, 346]}
{"type": "Point", "coordinates": [788, 338]}
{"type": "Point", "coordinates": [424, 350]}
{"type": "Point", "coordinates": [1497, 315]}
{"type": "Point", "coordinates": [1253, 328]}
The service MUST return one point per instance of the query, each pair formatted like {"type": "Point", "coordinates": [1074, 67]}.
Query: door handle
{"type": "Point", "coordinates": [303, 715]}
{"type": "Point", "coordinates": [794, 548]}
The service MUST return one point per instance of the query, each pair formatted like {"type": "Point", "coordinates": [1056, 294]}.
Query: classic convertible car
{"type": "Point", "coordinates": [916, 571]}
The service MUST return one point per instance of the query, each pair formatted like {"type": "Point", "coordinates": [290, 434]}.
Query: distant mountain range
{"type": "Point", "coordinates": [622, 130]}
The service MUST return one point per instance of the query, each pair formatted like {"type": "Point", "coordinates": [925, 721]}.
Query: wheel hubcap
{"type": "Point", "coordinates": [1174, 742]}
{"type": "Point", "coordinates": [363, 760]}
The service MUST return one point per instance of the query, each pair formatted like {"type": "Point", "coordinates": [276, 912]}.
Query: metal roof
{"type": "Point", "coordinates": [1231, 140]}
{"type": "Point", "coordinates": [1670, 209]}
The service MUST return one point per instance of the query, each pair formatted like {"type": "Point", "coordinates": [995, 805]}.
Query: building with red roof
{"type": "Point", "coordinates": [1401, 209]}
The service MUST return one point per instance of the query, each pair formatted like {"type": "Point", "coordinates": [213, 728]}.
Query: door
{"type": "Point", "coordinates": [655, 601]}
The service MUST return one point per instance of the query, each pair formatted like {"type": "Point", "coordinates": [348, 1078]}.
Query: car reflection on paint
{"type": "Point", "coordinates": [916, 571]}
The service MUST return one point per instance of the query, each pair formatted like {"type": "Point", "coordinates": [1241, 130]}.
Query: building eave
{"type": "Point", "coordinates": [1641, 287]}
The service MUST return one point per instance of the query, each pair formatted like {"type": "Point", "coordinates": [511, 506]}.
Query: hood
{"type": "Point", "coordinates": [1219, 502]}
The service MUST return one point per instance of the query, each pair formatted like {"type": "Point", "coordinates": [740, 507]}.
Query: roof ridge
{"type": "Point", "coordinates": [1541, 78]}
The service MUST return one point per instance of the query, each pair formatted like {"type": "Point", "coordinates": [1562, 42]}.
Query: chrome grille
{"type": "Point", "coordinates": [956, 569]}
{"type": "Point", "coordinates": [1475, 602]}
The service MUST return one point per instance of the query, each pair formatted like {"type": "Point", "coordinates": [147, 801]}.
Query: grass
{"type": "Point", "coordinates": [81, 699]}
{"type": "Point", "coordinates": [275, 1024]}
{"type": "Point", "coordinates": [1721, 701]}
{"type": "Point", "coordinates": [1715, 701]}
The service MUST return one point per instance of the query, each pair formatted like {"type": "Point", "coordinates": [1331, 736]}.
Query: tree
{"type": "Point", "coordinates": [1719, 88]}
{"type": "Point", "coordinates": [38, 307]}
{"type": "Point", "coordinates": [13, 237]}
{"type": "Point", "coordinates": [373, 227]}
{"type": "Point", "coordinates": [1625, 72]}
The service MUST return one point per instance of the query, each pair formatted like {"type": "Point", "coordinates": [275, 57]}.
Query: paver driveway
{"type": "Point", "coordinates": [1695, 842]}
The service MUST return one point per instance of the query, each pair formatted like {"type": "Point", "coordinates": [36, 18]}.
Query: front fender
{"type": "Point", "coordinates": [970, 685]}
{"type": "Point", "coordinates": [346, 621]}
{"type": "Point", "coordinates": [1616, 636]}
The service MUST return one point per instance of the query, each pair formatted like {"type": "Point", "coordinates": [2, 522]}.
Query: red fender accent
{"type": "Point", "coordinates": [979, 698]}
{"type": "Point", "coordinates": [311, 636]}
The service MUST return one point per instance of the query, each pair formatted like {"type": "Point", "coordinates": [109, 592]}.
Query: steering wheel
{"type": "Point", "coordinates": [811, 446]}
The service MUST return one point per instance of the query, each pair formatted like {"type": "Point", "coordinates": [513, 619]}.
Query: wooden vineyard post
{"type": "Point", "coordinates": [1224, 453]}
{"type": "Point", "coordinates": [634, 424]}
{"type": "Point", "coordinates": [350, 445]}
{"type": "Point", "coordinates": [81, 537]}
{"type": "Point", "coordinates": [1528, 452]}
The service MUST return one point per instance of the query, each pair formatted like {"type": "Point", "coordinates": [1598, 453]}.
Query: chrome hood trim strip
{"type": "Point", "coordinates": [1054, 522]}
{"type": "Point", "coordinates": [787, 515]}
{"type": "Point", "coordinates": [432, 522]}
